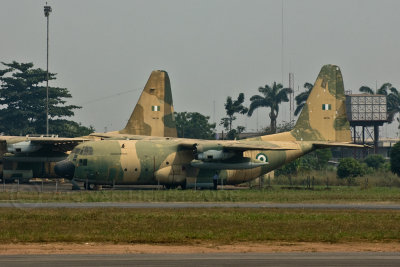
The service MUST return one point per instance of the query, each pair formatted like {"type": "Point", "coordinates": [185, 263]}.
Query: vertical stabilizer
{"type": "Point", "coordinates": [323, 117]}
{"type": "Point", "coordinates": [154, 112]}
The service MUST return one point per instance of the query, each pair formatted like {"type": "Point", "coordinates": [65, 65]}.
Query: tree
{"type": "Point", "coordinates": [301, 99]}
{"type": "Point", "coordinates": [290, 168]}
{"type": "Point", "coordinates": [374, 161]}
{"type": "Point", "coordinates": [395, 159]}
{"type": "Point", "coordinates": [393, 104]}
{"type": "Point", "coordinates": [70, 128]}
{"type": "Point", "coordinates": [272, 97]}
{"type": "Point", "coordinates": [23, 102]}
{"type": "Point", "coordinates": [393, 98]}
{"type": "Point", "coordinates": [194, 125]}
{"type": "Point", "coordinates": [323, 156]}
{"type": "Point", "coordinates": [284, 126]}
{"type": "Point", "coordinates": [350, 168]}
{"type": "Point", "coordinates": [231, 108]}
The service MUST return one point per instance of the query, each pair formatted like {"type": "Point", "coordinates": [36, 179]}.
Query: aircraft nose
{"type": "Point", "coordinates": [65, 169]}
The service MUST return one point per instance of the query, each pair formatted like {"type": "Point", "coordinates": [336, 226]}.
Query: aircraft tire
{"type": "Point", "coordinates": [88, 186]}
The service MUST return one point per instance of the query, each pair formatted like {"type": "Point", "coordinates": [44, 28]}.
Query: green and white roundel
{"type": "Point", "coordinates": [262, 157]}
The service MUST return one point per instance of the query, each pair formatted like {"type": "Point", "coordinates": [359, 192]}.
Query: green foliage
{"type": "Point", "coordinates": [350, 168]}
{"type": "Point", "coordinates": [271, 97]}
{"type": "Point", "coordinates": [323, 156]}
{"type": "Point", "coordinates": [234, 133]}
{"type": "Point", "coordinates": [338, 194]}
{"type": "Point", "coordinates": [23, 102]}
{"type": "Point", "coordinates": [231, 108]}
{"type": "Point", "coordinates": [70, 128]}
{"type": "Point", "coordinates": [204, 226]}
{"type": "Point", "coordinates": [395, 159]}
{"type": "Point", "coordinates": [288, 169]}
{"type": "Point", "coordinates": [317, 160]}
{"type": "Point", "coordinates": [324, 178]}
{"type": "Point", "coordinates": [284, 126]}
{"type": "Point", "coordinates": [194, 125]}
{"type": "Point", "coordinates": [374, 161]}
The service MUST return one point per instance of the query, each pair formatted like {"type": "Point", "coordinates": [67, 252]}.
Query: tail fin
{"type": "Point", "coordinates": [154, 112]}
{"type": "Point", "coordinates": [323, 117]}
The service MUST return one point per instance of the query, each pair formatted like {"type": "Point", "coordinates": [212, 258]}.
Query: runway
{"type": "Point", "coordinates": [192, 205]}
{"type": "Point", "coordinates": [222, 259]}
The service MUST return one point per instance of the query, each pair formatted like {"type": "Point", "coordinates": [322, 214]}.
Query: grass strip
{"type": "Point", "coordinates": [185, 226]}
{"type": "Point", "coordinates": [339, 194]}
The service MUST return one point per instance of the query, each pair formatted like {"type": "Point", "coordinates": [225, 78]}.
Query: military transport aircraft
{"type": "Point", "coordinates": [178, 161]}
{"type": "Point", "coordinates": [24, 157]}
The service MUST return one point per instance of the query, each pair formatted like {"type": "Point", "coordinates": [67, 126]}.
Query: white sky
{"type": "Point", "coordinates": [211, 49]}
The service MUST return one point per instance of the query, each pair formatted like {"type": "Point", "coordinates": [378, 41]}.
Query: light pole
{"type": "Point", "coordinates": [47, 11]}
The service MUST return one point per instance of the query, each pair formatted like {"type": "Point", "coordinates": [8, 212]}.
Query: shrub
{"type": "Point", "coordinates": [375, 161]}
{"type": "Point", "coordinates": [349, 167]}
{"type": "Point", "coordinates": [395, 159]}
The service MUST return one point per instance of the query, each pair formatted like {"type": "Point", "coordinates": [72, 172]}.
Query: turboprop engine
{"type": "Point", "coordinates": [214, 157]}
{"type": "Point", "coordinates": [211, 153]}
{"type": "Point", "coordinates": [23, 147]}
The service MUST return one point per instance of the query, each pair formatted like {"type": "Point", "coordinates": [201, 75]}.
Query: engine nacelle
{"type": "Point", "coordinates": [211, 155]}
{"type": "Point", "coordinates": [242, 164]}
{"type": "Point", "coordinates": [23, 147]}
{"type": "Point", "coordinates": [211, 152]}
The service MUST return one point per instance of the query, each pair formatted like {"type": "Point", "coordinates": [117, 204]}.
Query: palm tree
{"type": "Point", "coordinates": [383, 90]}
{"type": "Point", "coordinates": [232, 107]}
{"type": "Point", "coordinates": [272, 97]}
{"type": "Point", "coordinates": [301, 99]}
{"type": "Point", "coordinates": [393, 98]}
{"type": "Point", "coordinates": [393, 103]}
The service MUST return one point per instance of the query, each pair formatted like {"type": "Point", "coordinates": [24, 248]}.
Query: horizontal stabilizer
{"type": "Point", "coordinates": [338, 144]}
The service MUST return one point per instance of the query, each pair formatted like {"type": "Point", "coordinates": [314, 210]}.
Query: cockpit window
{"type": "Point", "coordinates": [76, 150]}
{"type": "Point", "coordinates": [83, 162]}
{"type": "Point", "coordinates": [86, 150]}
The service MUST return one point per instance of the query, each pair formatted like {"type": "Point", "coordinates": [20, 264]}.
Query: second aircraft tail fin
{"type": "Point", "coordinates": [154, 112]}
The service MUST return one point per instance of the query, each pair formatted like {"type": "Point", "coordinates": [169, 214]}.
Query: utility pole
{"type": "Point", "coordinates": [291, 95]}
{"type": "Point", "coordinates": [282, 44]}
{"type": "Point", "coordinates": [47, 11]}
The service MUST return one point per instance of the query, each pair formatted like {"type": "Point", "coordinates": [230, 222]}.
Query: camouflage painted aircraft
{"type": "Point", "coordinates": [178, 161]}
{"type": "Point", "coordinates": [35, 156]}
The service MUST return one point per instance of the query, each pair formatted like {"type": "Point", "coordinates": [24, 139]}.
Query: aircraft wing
{"type": "Point", "coordinates": [217, 155]}
{"type": "Point", "coordinates": [255, 145]}
{"type": "Point", "coordinates": [118, 136]}
{"type": "Point", "coordinates": [29, 144]}
{"type": "Point", "coordinates": [238, 145]}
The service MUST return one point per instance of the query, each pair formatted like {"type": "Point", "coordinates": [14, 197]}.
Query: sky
{"type": "Point", "coordinates": [104, 51]}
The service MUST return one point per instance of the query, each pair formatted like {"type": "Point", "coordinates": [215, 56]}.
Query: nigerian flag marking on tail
{"type": "Point", "coordinates": [155, 108]}
{"type": "Point", "coordinates": [326, 107]}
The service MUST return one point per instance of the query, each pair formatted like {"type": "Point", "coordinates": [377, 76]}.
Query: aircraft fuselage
{"type": "Point", "coordinates": [137, 162]}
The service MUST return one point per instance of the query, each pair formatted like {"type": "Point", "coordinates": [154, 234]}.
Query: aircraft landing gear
{"type": "Point", "coordinates": [183, 186]}
{"type": "Point", "coordinates": [75, 186]}
{"type": "Point", "coordinates": [90, 186]}
{"type": "Point", "coordinates": [170, 186]}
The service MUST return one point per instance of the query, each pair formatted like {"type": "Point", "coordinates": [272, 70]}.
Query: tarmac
{"type": "Point", "coordinates": [192, 205]}
{"type": "Point", "coordinates": [220, 259]}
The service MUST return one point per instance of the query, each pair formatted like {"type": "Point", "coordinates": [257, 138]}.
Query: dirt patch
{"type": "Point", "coordinates": [101, 248]}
